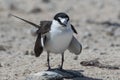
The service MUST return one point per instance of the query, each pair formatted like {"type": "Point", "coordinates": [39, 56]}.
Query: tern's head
{"type": "Point", "coordinates": [62, 18]}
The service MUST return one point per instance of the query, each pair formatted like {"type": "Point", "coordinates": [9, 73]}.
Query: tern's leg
{"type": "Point", "coordinates": [61, 67]}
{"type": "Point", "coordinates": [48, 61]}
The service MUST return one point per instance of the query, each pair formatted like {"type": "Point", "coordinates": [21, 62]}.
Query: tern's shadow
{"type": "Point", "coordinates": [73, 74]}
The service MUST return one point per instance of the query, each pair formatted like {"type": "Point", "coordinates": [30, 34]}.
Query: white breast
{"type": "Point", "coordinates": [58, 39]}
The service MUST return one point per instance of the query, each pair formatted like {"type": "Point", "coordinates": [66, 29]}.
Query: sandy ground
{"type": "Point", "coordinates": [91, 18]}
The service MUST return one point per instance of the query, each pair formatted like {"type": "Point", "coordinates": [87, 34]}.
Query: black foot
{"type": "Point", "coordinates": [60, 67]}
{"type": "Point", "coordinates": [49, 68]}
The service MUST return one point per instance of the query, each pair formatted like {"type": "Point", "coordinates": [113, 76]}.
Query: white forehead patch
{"type": "Point", "coordinates": [62, 19]}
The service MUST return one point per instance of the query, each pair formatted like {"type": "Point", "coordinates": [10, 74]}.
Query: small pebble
{"type": "Point", "coordinates": [103, 53]}
{"type": "Point", "coordinates": [8, 64]}
{"type": "Point", "coordinates": [32, 53]}
{"type": "Point", "coordinates": [27, 52]}
{"type": "Point", "coordinates": [115, 45]}
{"type": "Point", "coordinates": [95, 49]}
{"type": "Point", "coordinates": [2, 48]}
{"type": "Point", "coordinates": [76, 58]}
{"type": "Point", "coordinates": [13, 7]}
{"type": "Point", "coordinates": [36, 10]}
{"type": "Point", "coordinates": [16, 74]}
{"type": "Point", "coordinates": [110, 33]}
{"type": "Point", "coordinates": [46, 1]}
{"type": "Point", "coordinates": [87, 47]}
{"type": "Point", "coordinates": [1, 65]}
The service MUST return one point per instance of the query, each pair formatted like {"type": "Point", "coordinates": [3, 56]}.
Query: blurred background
{"type": "Point", "coordinates": [97, 23]}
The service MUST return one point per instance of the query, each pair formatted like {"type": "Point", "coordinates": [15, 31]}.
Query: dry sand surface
{"type": "Point", "coordinates": [98, 26]}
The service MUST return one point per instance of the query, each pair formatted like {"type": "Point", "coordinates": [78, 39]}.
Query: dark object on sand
{"type": "Point", "coordinates": [96, 63]}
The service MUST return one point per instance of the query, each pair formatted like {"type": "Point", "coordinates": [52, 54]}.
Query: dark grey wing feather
{"type": "Point", "coordinates": [33, 24]}
{"type": "Point", "coordinates": [74, 30]}
{"type": "Point", "coordinates": [38, 48]}
{"type": "Point", "coordinates": [45, 27]}
{"type": "Point", "coordinates": [75, 47]}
